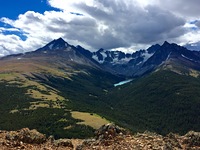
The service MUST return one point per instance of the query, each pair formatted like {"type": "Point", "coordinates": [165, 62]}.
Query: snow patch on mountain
{"type": "Point", "coordinates": [118, 60]}
{"type": "Point", "coordinates": [95, 57]}
{"type": "Point", "coordinates": [104, 55]}
{"type": "Point", "coordinates": [51, 46]}
{"type": "Point", "coordinates": [187, 57]}
{"type": "Point", "coordinates": [168, 56]}
{"type": "Point", "coordinates": [122, 61]}
{"type": "Point", "coordinates": [123, 82]}
{"type": "Point", "coordinates": [146, 55]}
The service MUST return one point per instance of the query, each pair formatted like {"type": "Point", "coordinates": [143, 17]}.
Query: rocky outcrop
{"type": "Point", "coordinates": [108, 137]}
{"type": "Point", "coordinates": [192, 139]}
{"type": "Point", "coordinates": [112, 137]}
{"type": "Point", "coordinates": [27, 136]}
{"type": "Point", "coordinates": [31, 140]}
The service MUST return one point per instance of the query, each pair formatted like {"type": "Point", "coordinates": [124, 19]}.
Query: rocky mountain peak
{"type": "Point", "coordinates": [172, 47]}
{"type": "Point", "coordinates": [58, 44]}
{"type": "Point", "coordinates": [153, 48]}
{"type": "Point", "coordinates": [101, 50]}
{"type": "Point", "coordinates": [166, 43]}
{"type": "Point", "coordinates": [61, 40]}
{"type": "Point", "coordinates": [55, 45]}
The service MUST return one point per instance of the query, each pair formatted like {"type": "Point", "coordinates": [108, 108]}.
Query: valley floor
{"type": "Point", "coordinates": [108, 137]}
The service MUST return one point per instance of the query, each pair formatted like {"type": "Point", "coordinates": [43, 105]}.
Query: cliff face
{"type": "Point", "coordinates": [108, 137]}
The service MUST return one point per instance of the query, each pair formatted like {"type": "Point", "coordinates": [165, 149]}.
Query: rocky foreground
{"type": "Point", "coordinates": [108, 137]}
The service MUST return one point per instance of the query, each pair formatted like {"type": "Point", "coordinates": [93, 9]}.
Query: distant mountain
{"type": "Point", "coordinates": [60, 48]}
{"type": "Point", "coordinates": [127, 64]}
{"type": "Point", "coordinates": [172, 57]}
{"type": "Point", "coordinates": [116, 62]}
{"type": "Point", "coordinates": [121, 63]}
{"type": "Point", "coordinates": [144, 61]}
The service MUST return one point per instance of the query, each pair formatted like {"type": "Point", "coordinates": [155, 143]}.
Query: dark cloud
{"type": "Point", "coordinates": [187, 8]}
{"type": "Point", "coordinates": [128, 24]}
{"type": "Point", "coordinates": [198, 24]}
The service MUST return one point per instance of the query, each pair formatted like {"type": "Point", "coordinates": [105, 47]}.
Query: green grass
{"type": "Point", "coordinates": [90, 119]}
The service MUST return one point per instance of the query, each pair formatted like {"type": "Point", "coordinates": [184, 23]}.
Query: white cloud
{"type": "Point", "coordinates": [3, 29]}
{"type": "Point", "coordinates": [126, 25]}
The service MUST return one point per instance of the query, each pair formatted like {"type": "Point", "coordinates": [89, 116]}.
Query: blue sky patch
{"type": "Point", "coordinates": [11, 9]}
{"type": "Point", "coordinates": [17, 33]}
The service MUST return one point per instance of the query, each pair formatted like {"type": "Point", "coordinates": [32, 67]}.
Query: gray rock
{"type": "Point", "coordinates": [63, 142]}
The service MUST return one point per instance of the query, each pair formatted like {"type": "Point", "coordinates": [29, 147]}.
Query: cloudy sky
{"type": "Point", "coordinates": [127, 25]}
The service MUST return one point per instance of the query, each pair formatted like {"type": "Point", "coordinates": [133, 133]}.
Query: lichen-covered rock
{"type": "Point", "coordinates": [27, 136]}
{"type": "Point", "coordinates": [63, 142]}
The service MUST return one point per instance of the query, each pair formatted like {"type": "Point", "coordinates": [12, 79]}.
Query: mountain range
{"type": "Point", "coordinates": [59, 88]}
{"type": "Point", "coordinates": [116, 62]}
{"type": "Point", "coordinates": [144, 61]}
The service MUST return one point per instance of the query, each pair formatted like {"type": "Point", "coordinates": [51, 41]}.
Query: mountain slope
{"type": "Point", "coordinates": [172, 57]}
{"type": "Point", "coordinates": [40, 89]}
{"type": "Point", "coordinates": [162, 102]}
